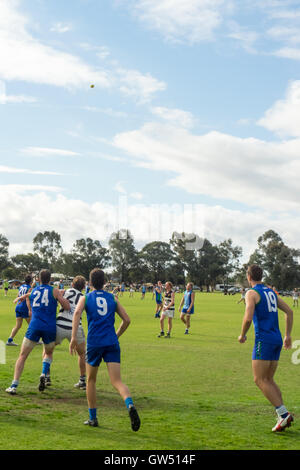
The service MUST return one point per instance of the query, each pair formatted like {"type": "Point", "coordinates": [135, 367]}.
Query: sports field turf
{"type": "Point", "coordinates": [192, 392]}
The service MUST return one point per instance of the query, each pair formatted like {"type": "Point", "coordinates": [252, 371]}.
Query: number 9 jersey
{"type": "Point", "coordinates": [100, 309]}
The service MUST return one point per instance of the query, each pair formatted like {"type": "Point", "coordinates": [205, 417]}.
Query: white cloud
{"type": "Point", "coordinates": [61, 28]}
{"type": "Point", "coordinates": [25, 58]}
{"type": "Point", "coordinates": [14, 189]}
{"type": "Point", "coordinates": [120, 188]}
{"type": "Point", "coordinates": [284, 116]}
{"type": "Point", "coordinates": [137, 85]}
{"type": "Point", "coordinates": [48, 152]}
{"type": "Point", "coordinates": [174, 116]}
{"type": "Point", "coordinates": [250, 171]}
{"type": "Point", "coordinates": [8, 169]}
{"type": "Point", "coordinates": [180, 20]}
{"type": "Point", "coordinates": [288, 53]}
{"type": "Point", "coordinates": [5, 99]}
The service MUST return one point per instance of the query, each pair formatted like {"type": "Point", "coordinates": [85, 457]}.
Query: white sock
{"type": "Point", "coordinates": [281, 410]}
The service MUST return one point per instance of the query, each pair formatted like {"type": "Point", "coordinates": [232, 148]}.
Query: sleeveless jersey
{"type": "Point", "coordinates": [265, 318]}
{"type": "Point", "coordinates": [43, 305]}
{"type": "Point", "coordinates": [158, 296]}
{"type": "Point", "coordinates": [100, 309]}
{"type": "Point", "coordinates": [21, 307]}
{"type": "Point", "coordinates": [187, 298]}
{"type": "Point", "coordinates": [168, 300]}
{"type": "Point", "coordinates": [65, 317]}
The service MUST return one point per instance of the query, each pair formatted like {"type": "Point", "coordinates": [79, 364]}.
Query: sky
{"type": "Point", "coordinates": [192, 124]}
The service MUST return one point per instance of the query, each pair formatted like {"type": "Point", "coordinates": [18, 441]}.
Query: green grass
{"type": "Point", "coordinates": [193, 392]}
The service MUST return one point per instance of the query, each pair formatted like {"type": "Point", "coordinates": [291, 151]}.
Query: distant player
{"type": "Point", "coordinates": [23, 310]}
{"type": "Point", "coordinates": [262, 308]}
{"type": "Point", "coordinates": [243, 295]}
{"type": "Point", "coordinates": [103, 343]}
{"type": "Point", "coordinates": [122, 289]}
{"type": "Point", "coordinates": [187, 301]}
{"type": "Point", "coordinates": [64, 328]}
{"type": "Point", "coordinates": [295, 298]}
{"type": "Point", "coordinates": [131, 290]}
{"type": "Point", "coordinates": [143, 291]}
{"type": "Point", "coordinates": [158, 299]}
{"type": "Point", "coordinates": [5, 287]}
{"type": "Point", "coordinates": [43, 301]}
{"type": "Point", "coordinates": [61, 285]}
{"type": "Point", "coordinates": [168, 310]}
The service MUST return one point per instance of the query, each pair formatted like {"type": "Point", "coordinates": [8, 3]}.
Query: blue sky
{"type": "Point", "coordinates": [195, 109]}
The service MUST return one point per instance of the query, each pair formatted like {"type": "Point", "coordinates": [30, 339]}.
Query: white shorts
{"type": "Point", "coordinates": [62, 334]}
{"type": "Point", "coordinates": [168, 313]}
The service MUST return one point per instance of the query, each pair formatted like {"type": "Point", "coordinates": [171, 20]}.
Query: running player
{"type": "Point", "coordinates": [64, 328]}
{"type": "Point", "coordinates": [243, 295]}
{"type": "Point", "coordinates": [262, 308]}
{"type": "Point", "coordinates": [188, 301]}
{"type": "Point", "coordinates": [168, 310]}
{"type": "Point", "coordinates": [43, 301]}
{"type": "Point", "coordinates": [102, 343]}
{"type": "Point", "coordinates": [22, 311]}
{"type": "Point", "coordinates": [158, 299]}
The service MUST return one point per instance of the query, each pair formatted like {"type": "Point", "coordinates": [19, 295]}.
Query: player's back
{"type": "Point", "coordinates": [100, 308]}
{"type": "Point", "coordinates": [43, 305]}
{"type": "Point", "coordinates": [22, 306]}
{"type": "Point", "coordinates": [265, 317]}
{"type": "Point", "coordinates": [65, 317]}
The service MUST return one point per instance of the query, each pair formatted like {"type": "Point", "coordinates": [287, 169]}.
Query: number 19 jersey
{"type": "Point", "coordinates": [100, 309]}
{"type": "Point", "coordinates": [265, 317]}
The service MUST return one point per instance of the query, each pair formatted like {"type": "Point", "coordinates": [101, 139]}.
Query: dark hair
{"type": "Point", "coordinates": [45, 276]}
{"type": "Point", "coordinates": [97, 278]}
{"type": "Point", "coordinates": [28, 279]}
{"type": "Point", "coordinates": [255, 272]}
{"type": "Point", "coordinates": [79, 282]}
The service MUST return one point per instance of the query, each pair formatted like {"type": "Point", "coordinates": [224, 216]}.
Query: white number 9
{"type": "Point", "coordinates": [102, 306]}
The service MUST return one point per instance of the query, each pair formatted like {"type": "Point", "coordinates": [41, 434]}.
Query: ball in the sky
{"type": "Point", "coordinates": [92, 86]}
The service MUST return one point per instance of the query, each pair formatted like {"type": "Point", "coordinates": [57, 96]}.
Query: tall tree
{"type": "Point", "coordinates": [230, 258]}
{"type": "Point", "coordinates": [31, 262]}
{"type": "Point", "coordinates": [4, 245]}
{"type": "Point", "coordinates": [158, 257]}
{"type": "Point", "coordinates": [123, 254]}
{"type": "Point", "coordinates": [48, 246]}
{"type": "Point", "coordinates": [86, 255]}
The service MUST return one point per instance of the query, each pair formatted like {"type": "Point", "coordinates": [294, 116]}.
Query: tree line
{"type": "Point", "coordinates": [175, 261]}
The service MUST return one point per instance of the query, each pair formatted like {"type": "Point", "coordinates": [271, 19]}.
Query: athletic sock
{"type": "Point", "coordinates": [93, 413]}
{"type": "Point", "coordinates": [46, 366]}
{"type": "Point", "coordinates": [15, 383]}
{"type": "Point", "coordinates": [129, 402]}
{"type": "Point", "coordinates": [281, 411]}
{"type": "Point", "coordinates": [10, 340]}
{"type": "Point", "coordinates": [82, 378]}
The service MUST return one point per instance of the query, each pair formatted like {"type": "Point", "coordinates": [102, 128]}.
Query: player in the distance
{"type": "Point", "coordinates": [23, 310]}
{"type": "Point", "coordinates": [262, 308]}
{"type": "Point", "coordinates": [188, 301]}
{"type": "Point", "coordinates": [168, 310]}
{"type": "Point", "coordinates": [102, 343]}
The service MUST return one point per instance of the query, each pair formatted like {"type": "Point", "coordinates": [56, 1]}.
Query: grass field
{"type": "Point", "coordinates": [193, 392]}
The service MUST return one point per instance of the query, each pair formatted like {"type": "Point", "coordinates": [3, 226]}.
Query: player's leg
{"type": "Point", "coordinates": [47, 359]}
{"type": "Point", "coordinates": [263, 374]}
{"type": "Point", "coordinates": [114, 372]}
{"type": "Point", "coordinates": [91, 395]}
{"type": "Point", "coordinates": [170, 324]}
{"type": "Point", "coordinates": [26, 348]}
{"type": "Point", "coordinates": [80, 348]}
{"type": "Point", "coordinates": [14, 331]}
{"type": "Point", "coordinates": [162, 322]}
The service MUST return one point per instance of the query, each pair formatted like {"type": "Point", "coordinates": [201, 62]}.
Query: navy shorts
{"type": "Point", "coordinates": [22, 314]}
{"type": "Point", "coordinates": [36, 335]}
{"type": "Point", "coordinates": [95, 354]}
{"type": "Point", "coordinates": [185, 310]}
{"type": "Point", "coordinates": [266, 351]}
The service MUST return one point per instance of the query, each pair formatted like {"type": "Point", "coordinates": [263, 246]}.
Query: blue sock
{"type": "Point", "coordinates": [93, 413]}
{"type": "Point", "coordinates": [9, 340]}
{"type": "Point", "coordinates": [46, 366]}
{"type": "Point", "coordinates": [128, 402]}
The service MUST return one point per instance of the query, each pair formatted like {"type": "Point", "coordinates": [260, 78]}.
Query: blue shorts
{"type": "Point", "coordinates": [36, 335]}
{"type": "Point", "coordinates": [158, 302]}
{"type": "Point", "coordinates": [22, 314]}
{"type": "Point", "coordinates": [266, 351]}
{"type": "Point", "coordinates": [184, 310]}
{"type": "Point", "coordinates": [94, 354]}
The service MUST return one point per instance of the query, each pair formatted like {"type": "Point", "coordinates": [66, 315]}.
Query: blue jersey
{"type": "Point", "coordinates": [265, 318]}
{"type": "Point", "coordinates": [144, 290]}
{"type": "Point", "coordinates": [188, 300]}
{"type": "Point", "coordinates": [21, 307]}
{"type": "Point", "coordinates": [158, 296]}
{"type": "Point", "coordinates": [44, 306]}
{"type": "Point", "coordinates": [100, 309]}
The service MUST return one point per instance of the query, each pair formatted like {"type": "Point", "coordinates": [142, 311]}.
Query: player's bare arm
{"type": "Point", "coordinates": [251, 299]}
{"type": "Point", "coordinates": [287, 342]}
{"type": "Point", "coordinates": [124, 317]}
{"type": "Point", "coordinates": [75, 324]}
{"type": "Point", "coordinates": [59, 297]}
